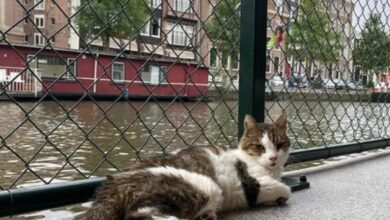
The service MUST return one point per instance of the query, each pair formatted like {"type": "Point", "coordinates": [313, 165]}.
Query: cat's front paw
{"type": "Point", "coordinates": [284, 193]}
{"type": "Point", "coordinates": [208, 215]}
{"type": "Point", "coordinates": [281, 201]}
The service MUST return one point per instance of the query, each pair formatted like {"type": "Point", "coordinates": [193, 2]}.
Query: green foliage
{"type": "Point", "coordinates": [107, 19]}
{"type": "Point", "coordinates": [370, 84]}
{"type": "Point", "coordinates": [224, 26]}
{"type": "Point", "coordinates": [372, 51]}
{"type": "Point", "coordinates": [312, 37]}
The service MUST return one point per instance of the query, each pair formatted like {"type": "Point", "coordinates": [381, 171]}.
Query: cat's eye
{"type": "Point", "coordinates": [259, 146]}
{"type": "Point", "coordinates": [280, 145]}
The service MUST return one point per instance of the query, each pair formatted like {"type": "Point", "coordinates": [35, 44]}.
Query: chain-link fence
{"type": "Point", "coordinates": [89, 86]}
{"type": "Point", "coordinates": [327, 63]}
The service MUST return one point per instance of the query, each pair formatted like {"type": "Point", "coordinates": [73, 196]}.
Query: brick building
{"type": "Point", "coordinates": [36, 22]}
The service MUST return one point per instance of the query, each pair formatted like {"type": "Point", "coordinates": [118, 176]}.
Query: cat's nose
{"type": "Point", "coordinates": [273, 158]}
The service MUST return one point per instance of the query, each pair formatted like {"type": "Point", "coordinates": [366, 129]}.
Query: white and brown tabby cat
{"type": "Point", "coordinates": [197, 183]}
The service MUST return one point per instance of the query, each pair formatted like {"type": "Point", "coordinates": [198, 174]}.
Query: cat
{"type": "Point", "coordinates": [258, 162]}
{"type": "Point", "coordinates": [156, 193]}
{"type": "Point", "coordinates": [197, 183]}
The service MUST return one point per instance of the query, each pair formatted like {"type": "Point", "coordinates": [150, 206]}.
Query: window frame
{"type": "Point", "coordinates": [162, 75]}
{"type": "Point", "coordinates": [159, 29]}
{"type": "Point", "coordinates": [148, 26]}
{"type": "Point", "coordinates": [40, 38]}
{"type": "Point", "coordinates": [122, 74]}
{"type": "Point", "coordinates": [187, 10]}
{"type": "Point", "coordinates": [276, 65]}
{"type": "Point", "coordinates": [40, 17]}
{"type": "Point", "coordinates": [177, 31]}
{"type": "Point", "coordinates": [68, 76]}
{"type": "Point", "coordinates": [235, 68]}
{"type": "Point", "coordinates": [39, 4]}
{"type": "Point", "coordinates": [155, 3]}
{"type": "Point", "coordinates": [216, 57]}
{"type": "Point", "coordinates": [268, 64]}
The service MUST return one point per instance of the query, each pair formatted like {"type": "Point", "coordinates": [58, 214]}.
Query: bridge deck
{"type": "Point", "coordinates": [357, 191]}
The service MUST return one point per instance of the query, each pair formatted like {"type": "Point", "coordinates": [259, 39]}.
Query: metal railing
{"type": "Point", "coordinates": [126, 80]}
{"type": "Point", "coordinates": [20, 81]}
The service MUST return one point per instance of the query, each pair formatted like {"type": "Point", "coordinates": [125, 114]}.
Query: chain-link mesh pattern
{"type": "Point", "coordinates": [327, 65]}
{"type": "Point", "coordinates": [89, 86]}
{"type": "Point", "coordinates": [168, 71]}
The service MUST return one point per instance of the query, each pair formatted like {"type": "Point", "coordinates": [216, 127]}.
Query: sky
{"type": "Point", "coordinates": [363, 9]}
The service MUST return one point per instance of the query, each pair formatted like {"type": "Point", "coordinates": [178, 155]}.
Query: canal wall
{"type": "Point", "coordinates": [214, 95]}
{"type": "Point", "coordinates": [302, 95]}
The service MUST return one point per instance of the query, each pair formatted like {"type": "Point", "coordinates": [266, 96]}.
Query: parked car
{"type": "Point", "coordinates": [340, 83]}
{"type": "Point", "coordinates": [318, 83]}
{"type": "Point", "coordinates": [304, 82]}
{"type": "Point", "coordinates": [276, 81]}
{"type": "Point", "coordinates": [329, 84]}
{"type": "Point", "coordinates": [355, 85]}
{"type": "Point", "coordinates": [298, 80]}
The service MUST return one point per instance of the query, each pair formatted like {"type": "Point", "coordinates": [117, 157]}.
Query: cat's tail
{"type": "Point", "coordinates": [107, 205]}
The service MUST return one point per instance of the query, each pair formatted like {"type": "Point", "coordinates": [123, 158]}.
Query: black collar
{"type": "Point", "coordinates": [249, 184]}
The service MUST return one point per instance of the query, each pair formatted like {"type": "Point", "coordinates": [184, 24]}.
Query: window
{"type": "Point", "coordinates": [156, 3]}
{"type": "Point", "coordinates": [287, 7]}
{"type": "Point", "coordinates": [26, 18]}
{"type": "Point", "coordinates": [53, 39]}
{"type": "Point", "coordinates": [154, 74]}
{"type": "Point", "coordinates": [224, 60]}
{"type": "Point", "coordinates": [276, 64]}
{"type": "Point", "coordinates": [155, 28]}
{"type": "Point", "coordinates": [268, 65]}
{"type": "Point", "coordinates": [53, 21]}
{"type": "Point", "coordinates": [180, 34]}
{"type": "Point", "coordinates": [39, 21]}
{"type": "Point", "coordinates": [71, 71]}
{"type": "Point", "coordinates": [38, 39]}
{"type": "Point", "coordinates": [26, 38]}
{"type": "Point", "coordinates": [49, 66]}
{"type": "Point", "coordinates": [152, 28]}
{"type": "Point", "coordinates": [39, 4]}
{"type": "Point", "coordinates": [118, 72]}
{"type": "Point", "coordinates": [146, 30]}
{"type": "Point", "coordinates": [234, 62]}
{"type": "Point", "coordinates": [213, 57]}
{"type": "Point", "coordinates": [182, 5]}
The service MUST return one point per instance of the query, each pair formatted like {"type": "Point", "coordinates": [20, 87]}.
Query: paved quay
{"type": "Point", "coordinates": [356, 191]}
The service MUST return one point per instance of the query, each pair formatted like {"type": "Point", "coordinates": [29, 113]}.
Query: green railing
{"type": "Point", "coordinates": [184, 73]}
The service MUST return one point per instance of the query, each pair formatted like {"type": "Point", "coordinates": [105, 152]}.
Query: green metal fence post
{"type": "Point", "coordinates": [253, 60]}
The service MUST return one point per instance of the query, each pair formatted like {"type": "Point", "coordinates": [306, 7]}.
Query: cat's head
{"type": "Point", "coordinates": [268, 144]}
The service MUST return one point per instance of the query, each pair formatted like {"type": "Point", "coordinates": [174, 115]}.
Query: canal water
{"type": "Point", "coordinates": [51, 142]}
{"type": "Point", "coordinates": [66, 141]}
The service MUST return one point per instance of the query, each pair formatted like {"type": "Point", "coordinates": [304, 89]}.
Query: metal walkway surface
{"type": "Point", "coordinates": [356, 191]}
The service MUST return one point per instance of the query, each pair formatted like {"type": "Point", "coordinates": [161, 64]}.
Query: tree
{"type": "Point", "coordinates": [110, 19]}
{"type": "Point", "coordinates": [224, 29]}
{"type": "Point", "coordinates": [311, 37]}
{"type": "Point", "coordinates": [372, 51]}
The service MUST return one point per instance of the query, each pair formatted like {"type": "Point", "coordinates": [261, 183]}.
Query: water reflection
{"type": "Point", "coordinates": [92, 140]}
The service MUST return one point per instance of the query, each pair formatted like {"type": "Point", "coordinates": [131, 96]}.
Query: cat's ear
{"type": "Point", "coordinates": [281, 123]}
{"type": "Point", "coordinates": [249, 123]}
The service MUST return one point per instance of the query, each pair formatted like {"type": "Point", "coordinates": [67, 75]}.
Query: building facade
{"type": "Point", "coordinates": [46, 23]}
{"type": "Point", "coordinates": [340, 13]}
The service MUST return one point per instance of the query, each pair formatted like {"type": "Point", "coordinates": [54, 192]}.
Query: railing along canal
{"type": "Point", "coordinates": [127, 80]}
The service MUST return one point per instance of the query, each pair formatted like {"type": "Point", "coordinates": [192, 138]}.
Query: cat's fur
{"type": "Point", "coordinates": [197, 182]}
